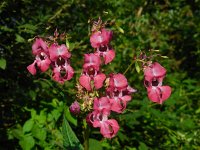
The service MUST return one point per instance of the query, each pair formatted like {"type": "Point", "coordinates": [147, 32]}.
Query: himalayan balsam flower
{"type": "Point", "coordinates": [100, 40]}
{"type": "Point", "coordinates": [62, 71]}
{"type": "Point", "coordinates": [99, 118]}
{"type": "Point", "coordinates": [119, 92]}
{"type": "Point", "coordinates": [40, 50]}
{"type": "Point", "coordinates": [91, 73]}
{"type": "Point", "coordinates": [154, 75]}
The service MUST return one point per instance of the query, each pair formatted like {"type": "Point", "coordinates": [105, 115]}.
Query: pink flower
{"type": "Point", "coordinates": [75, 108]}
{"type": "Point", "coordinates": [154, 75]}
{"type": "Point", "coordinates": [156, 92]}
{"type": "Point", "coordinates": [155, 70]}
{"type": "Point", "coordinates": [91, 73]}
{"type": "Point", "coordinates": [100, 40]}
{"type": "Point", "coordinates": [108, 127]}
{"type": "Point", "coordinates": [40, 50]}
{"type": "Point", "coordinates": [119, 92]}
{"type": "Point", "coordinates": [118, 81]}
{"type": "Point", "coordinates": [102, 103]}
{"type": "Point", "coordinates": [62, 71]}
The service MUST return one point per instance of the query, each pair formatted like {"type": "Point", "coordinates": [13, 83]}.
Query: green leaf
{"type": "Point", "coordinates": [70, 141]}
{"type": "Point", "coordinates": [137, 67]}
{"type": "Point", "coordinates": [2, 63]}
{"type": "Point", "coordinates": [94, 145]}
{"type": "Point", "coordinates": [69, 116]}
{"type": "Point", "coordinates": [143, 146]}
{"type": "Point", "coordinates": [28, 126]}
{"type": "Point", "coordinates": [27, 143]}
{"type": "Point", "coordinates": [19, 38]}
{"type": "Point", "coordinates": [39, 133]}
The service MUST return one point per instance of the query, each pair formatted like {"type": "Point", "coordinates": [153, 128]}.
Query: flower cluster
{"type": "Point", "coordinates": [93, 101]}
{"type": "Point", "coordinates": [154, 74]}
{"type": "Point", "coordinates": [46, 54]}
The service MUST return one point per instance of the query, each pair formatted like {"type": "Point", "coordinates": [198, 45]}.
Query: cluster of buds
{"type": "Point", "coordinates": [48, 53]}
{"type": "Point", "coordinates": [154, 74]}
{"type": "Point", "coordinates": [97, 104]}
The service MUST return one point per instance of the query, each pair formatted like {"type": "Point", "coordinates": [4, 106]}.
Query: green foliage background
{"type": "Point", "coordinates": [32, 107]}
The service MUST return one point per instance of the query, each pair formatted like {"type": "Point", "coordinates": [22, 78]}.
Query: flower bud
{"type": "Point", "coordinates": [75, 108]}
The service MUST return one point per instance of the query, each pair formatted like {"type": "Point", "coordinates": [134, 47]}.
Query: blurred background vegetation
{"type": "Point", "coordinates": [31, 107]}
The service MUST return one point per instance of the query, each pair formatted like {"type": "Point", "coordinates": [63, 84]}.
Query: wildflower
{"type": "Point", "coordinates": [108, 127]}
{"type": "Point", "coordinates": [119, 92]}
{"type": "Point", "coordinates": [62, 71]}
{"type": "Point", "coordinates": [91, 73]}
{"type": "Point", "coordinates": [154, 75]}
{"type": "Point", "coordinates": [101, 41]}
{"type": "Point", "coordinates": [40, 50]}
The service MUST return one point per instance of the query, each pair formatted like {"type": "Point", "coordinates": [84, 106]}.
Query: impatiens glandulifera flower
{"type": "Point", "coordinates": [91, 73]}
{"type": "Point", "coordinates": [100, 40]}
{"type": "Point", "coordinates": [154, 75]}
{"type": "Point", "coordinates": [108, 127]}
{"type": "Point", "coordinates": [62, 71]}
{"type": "Point", "coordinates": [40, 50]}
{"type": "Point", "coordinates": [75, 108]}
{"type": "Point", "coordinates": [119, 92]}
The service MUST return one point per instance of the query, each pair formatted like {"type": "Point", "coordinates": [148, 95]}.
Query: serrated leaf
{"type": "Point", "coordinates": [70, 141]}
{"type": "Point", "coordinates": [137, 67]}
{"type": "Point", "coordinates": [2, 63]}
{"type": "Point", "coordinates": [28, 126]}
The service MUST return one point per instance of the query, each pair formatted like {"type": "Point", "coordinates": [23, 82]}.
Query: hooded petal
{"type": "Point", "coordinates": [38, 46]}
{"type": "Point", "coordinates": [98, 80]}
{"type": "Point", "coordinates": [53, 52]}
{"type": "Point", "coordinates": [85, 82]}
{"type": "Point", "coordinates": [118, 81]}
{"type": "Point", "coordinates": [102, 103]}
{"type": "Point", "coordinates": [107, 36]}
{"type": "Point", "coordinates": [91, 60]}
{"type": "Point", "coordinates": [96, 39]}
{"type": "Point", "coordinates": [109, 56]}
{"type": "Point", "coordinates": [109, 128]}
{"type": "Point", "coordinates": [155, 70]}
{"type": "Point", "coordinates": [56, 51]}
{"type": "Point", "coordinates": [31, 68]}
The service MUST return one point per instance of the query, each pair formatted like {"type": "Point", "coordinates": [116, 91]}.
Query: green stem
{"type": "Point", "coordinates": [128, 67]}
{"type": "Point", "coordinates": [86, 138]}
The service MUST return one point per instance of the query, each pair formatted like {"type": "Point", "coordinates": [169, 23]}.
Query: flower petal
{"type": "Point", "coordinates": [109, 56]}
{"type": "Point", "coordinates": [118, 81]}
{"type": "Point", "coordinates": [154, 94]}
{"type": "Point", "coordinates": [38, 46]}
{"type": "Point", "coordinates": [85, 82]}
{"type": "Point", "coordinates": [109, 128]}
{"type": "Point", "coordinates": [98, 80]}
{"type": "Point", "coordinates": [166, 92]}
{"type": "Point", "coordinates": [43, 64]}
{"type": "Point", "coordinates": [31, 68]}
{"type": "Point", "coordinates": [69, 72]}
